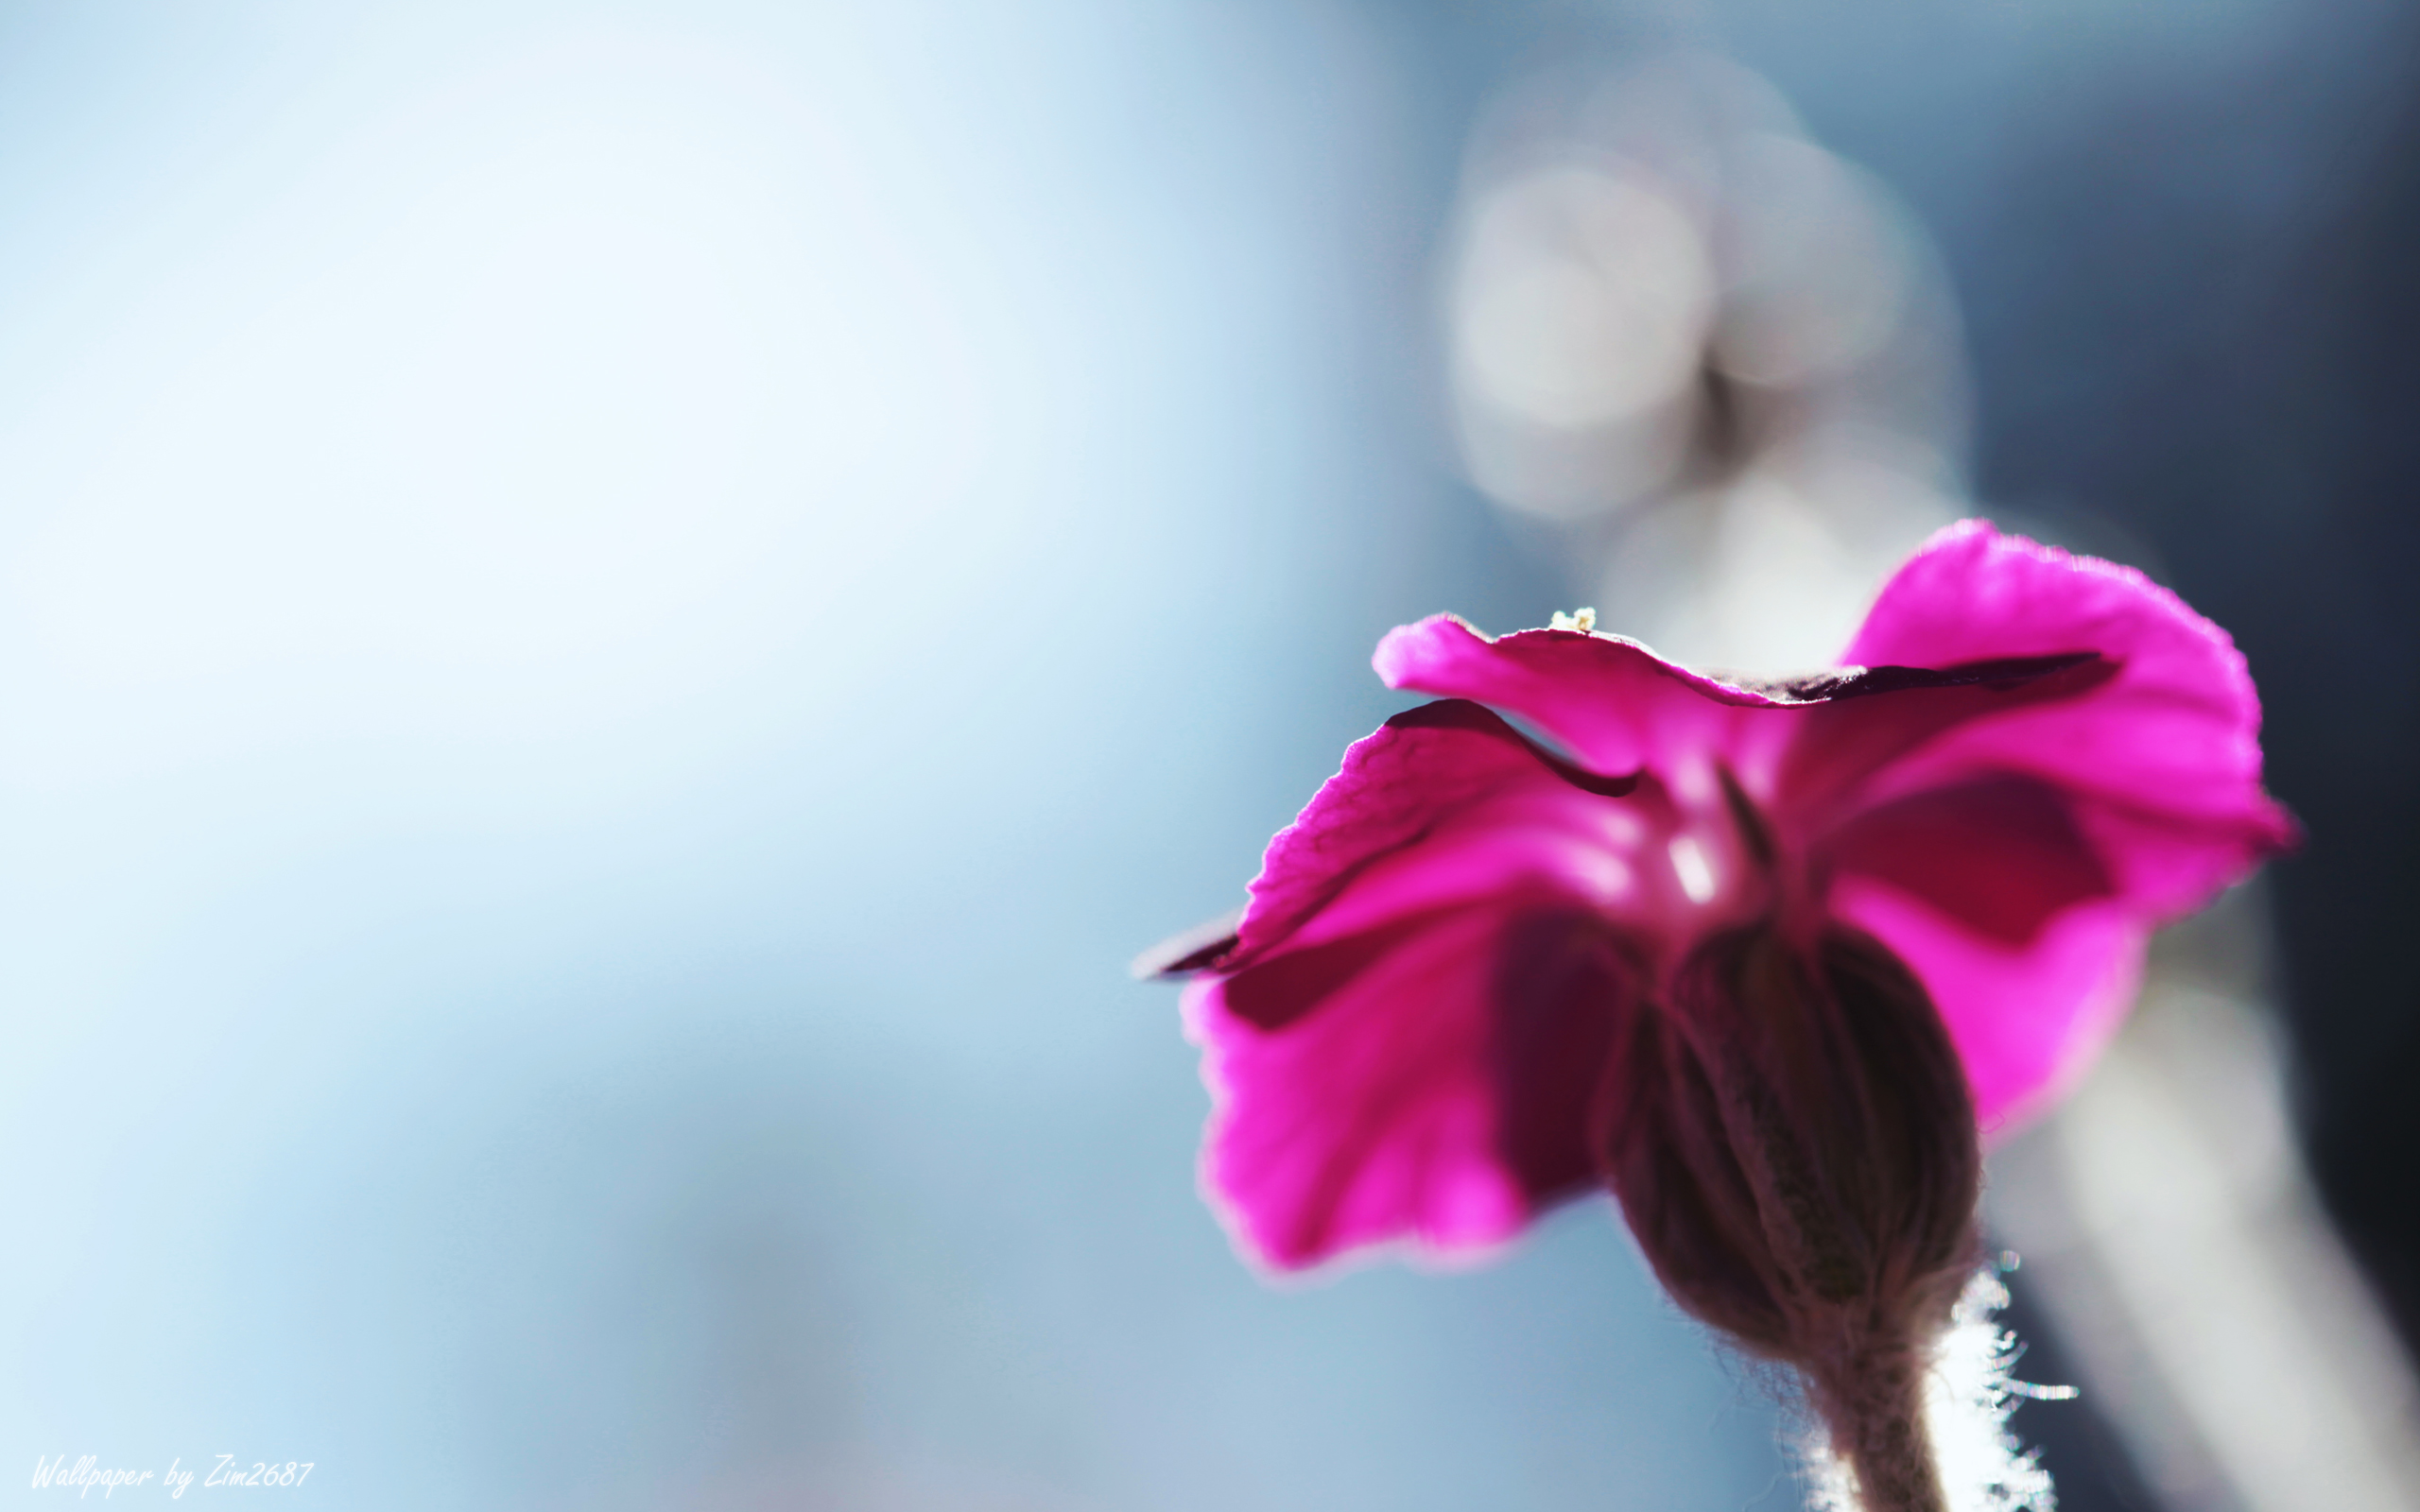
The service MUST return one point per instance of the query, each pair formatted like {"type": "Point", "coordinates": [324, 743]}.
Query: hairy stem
{"type": "Point", "coordinates": [1878, 1426]}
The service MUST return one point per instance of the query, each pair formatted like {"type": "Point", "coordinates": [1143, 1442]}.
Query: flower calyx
{"type": "Point", "coordinates": [1793, 1142]}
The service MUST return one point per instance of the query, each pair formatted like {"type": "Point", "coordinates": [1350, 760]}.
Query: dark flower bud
{"type": "Point", "coordinates": [1793, 1144]}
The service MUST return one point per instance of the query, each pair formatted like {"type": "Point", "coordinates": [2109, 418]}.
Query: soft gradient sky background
{"type": "Point", "coordinates": [615, 622]}
{"type": "Point", "coordinates": [615, 619]}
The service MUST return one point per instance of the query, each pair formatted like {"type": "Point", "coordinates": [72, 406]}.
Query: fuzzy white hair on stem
{"type": "Point", "coordinates": [1968, 1396]}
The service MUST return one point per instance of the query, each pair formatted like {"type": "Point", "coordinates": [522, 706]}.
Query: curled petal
{"type": "Point", "coordinates": [1839, 750]}
{"type": "Point", "coordinates": [1616, 704]}
{"type": "Point", "coordinates": [2173, 735]}
{"type": "Point", "coordinates": [1448, 767]}
{"type": "Point", "coordinates": [1622, 708]}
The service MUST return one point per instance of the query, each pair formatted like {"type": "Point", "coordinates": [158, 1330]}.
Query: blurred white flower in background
{"type": "Point", "coordinates": [1711, 364]}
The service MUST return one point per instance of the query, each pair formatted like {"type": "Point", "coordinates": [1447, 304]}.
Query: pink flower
{"type": "Point", "coordinates": [1427, 1025]}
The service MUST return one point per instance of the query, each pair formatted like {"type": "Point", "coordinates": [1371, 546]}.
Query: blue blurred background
{"type": "Point", "coordinates": [615, 619]}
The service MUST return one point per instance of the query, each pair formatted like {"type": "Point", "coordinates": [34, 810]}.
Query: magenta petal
{"type": "Point", "coordinates": [2172, 736]}
{"type": "Point", "coordinates": [2156, 771]}
{"type": "Point", "coordinates": [1565, 983]}
{"type": "Point", "coordinates": [1404, 1041]}
{"type": "Point", "coordinates": [1449, 769]}
{"type": "Point", "coordinates": [1621, 708]}
{"type": "Point", "coordinates": [1287, 984]}
{"type": "Point", "coordinates": [2026, 1018]}
{"type": "Point", "coordinates": [1616, 704]}
{"type": "Point", "coordinates": [1840, 746]}
{"type": "Point", "coordinates": [1431, 1082]}
{"type": "Point", "coordinates": [2004, 854]}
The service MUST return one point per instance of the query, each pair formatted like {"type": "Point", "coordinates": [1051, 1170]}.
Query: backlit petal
{"type": "Point", "coordinates": [2132, 801]}
{"type": "Point", "coordinates": [2173, 735]}
{"type": "Point", "coordinates": [1428, 1082]}
{"type": "Point", "coordinates": [1616, 705]}
{"type": "Point", "coordinates": [1447, 768]}
{"type": "Point", "coordinates": [2026, 1018]}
